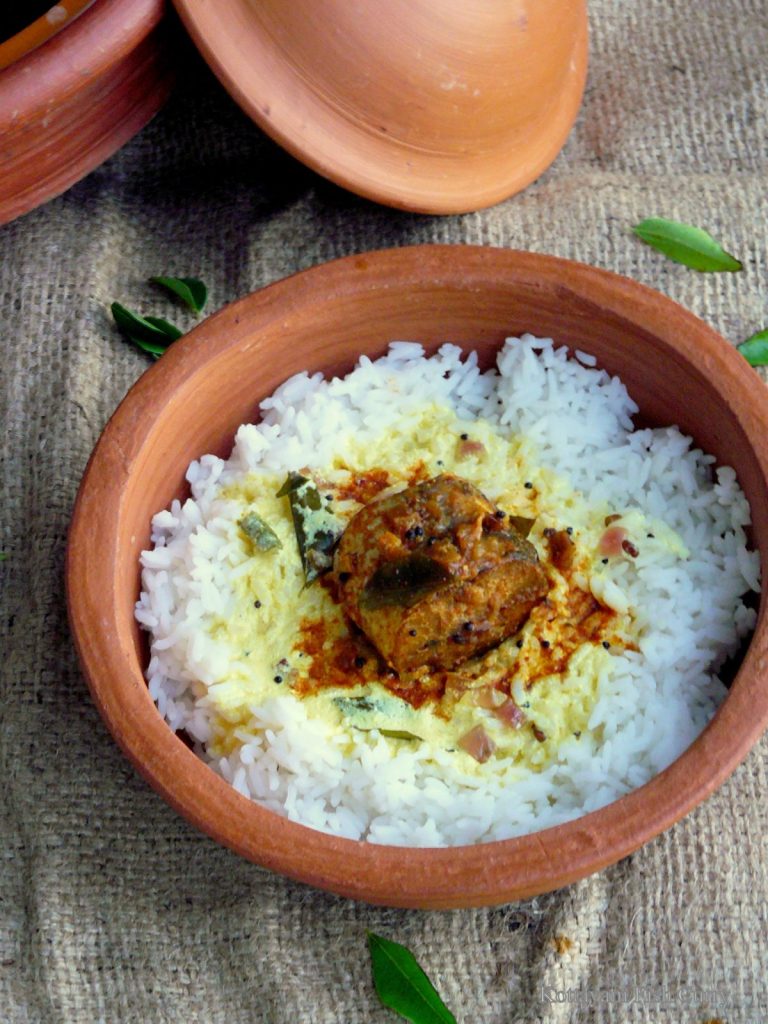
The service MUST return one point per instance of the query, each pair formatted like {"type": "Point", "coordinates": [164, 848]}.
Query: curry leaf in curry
{"type": "Point", "coordinates": [259, 532]}
{"type": "Point", "coordinates": [755, 349]}
{"type": "Point", "coordinates": [353, 705]}
{"type": "Point", "coordinates": [356, 707]}
{"type": "Point", "coordinates": [399, 734]}
{"type": "Point", "coordinates": [192, 292]}
{"type": "Point", "coordinates": [151, 334]}
{"type": "Point", "coordinates": [291, 483]}
{"type": "Point", "coordinates": [522, 524]}
{"type": "Point", "coordinates": [317, 530]}
{"type": "Point", "coordinates": [403, 986]}
{"type": "Point", "coordinates": [683, 243]}
{"type": "Point", "coordinates": [403, 582]}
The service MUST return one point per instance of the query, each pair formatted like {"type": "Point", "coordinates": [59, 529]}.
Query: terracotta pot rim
{"type": "Point", "coordinates": [472, 183]}
{"type": "Point", "coordinates": [119, 24]}
{"type": "Point", "coordinates": [68, 105]}
{"type": "Point", "coordinates": [406, 876]}
{"type": "Point", "coordinates": [39, 31]}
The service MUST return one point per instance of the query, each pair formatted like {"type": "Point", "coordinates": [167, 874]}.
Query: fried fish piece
{"type": "Point", "coordinates": [435, 574]}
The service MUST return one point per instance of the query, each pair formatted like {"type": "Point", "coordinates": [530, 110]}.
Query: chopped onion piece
{"type": "Point", "coordinates": [510, 714]}
{"type": "Point", "coordinates": [478, 744]}
{"type": "Point", "coordinates": [612, 540]}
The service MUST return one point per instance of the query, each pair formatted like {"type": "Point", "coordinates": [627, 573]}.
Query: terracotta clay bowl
{"type": "Point", "coordinates": [436, 108]}
{"type": "Point", "coordinates": [38, 31]}
{"type": "Point", "coordinates": [678, 369]}
{"type": "Point", "coordinates": [72, 102]}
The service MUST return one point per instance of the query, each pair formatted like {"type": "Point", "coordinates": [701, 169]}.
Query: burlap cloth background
{"type": "Point", "coordinates": [112, 908]}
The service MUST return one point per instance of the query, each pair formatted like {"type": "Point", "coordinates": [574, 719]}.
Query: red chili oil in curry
{"type": "Point", "coordinates": [348, 660]}
{"type": "Point", "coordinates": [361, 487]}
{"type": "Point", "coordinates": [364, 487]}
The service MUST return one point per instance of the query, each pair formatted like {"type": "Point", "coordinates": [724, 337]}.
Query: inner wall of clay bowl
{"type": "Point", "coordinates": [329, 334]}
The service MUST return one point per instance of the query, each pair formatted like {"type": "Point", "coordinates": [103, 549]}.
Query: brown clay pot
{"type": "Point", "coordinates": [192, 400]}
{"type": "Point", "coordinates": [39, 31]}
{"type": "Point", "coordinates": [437, 108]}
{"type": "Point", "coordinates": [72, 102]}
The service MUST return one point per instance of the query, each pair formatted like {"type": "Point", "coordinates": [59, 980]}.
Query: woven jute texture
{"type": "Point", "coordinates": [112, 908]}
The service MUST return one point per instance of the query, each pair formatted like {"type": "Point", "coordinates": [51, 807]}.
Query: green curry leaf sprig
{"type": "Point", "coordinates": [686, 244]}
{"type": "Point", "coordinates": [402, 985]}
{"type": "Point", "coordinates": [190, 290]}
{"type": "Point", "coordinates": [696, 248]}
{"type": "Point", "coordinates": [755, 349]}
{"type": "Point", "coordinates": [153, 334]}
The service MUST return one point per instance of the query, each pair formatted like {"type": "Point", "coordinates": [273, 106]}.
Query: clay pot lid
{"type": "Point", "coordinates": [74, 100]}
{"type": "Point", "coordinates": [432, 109]}
{"type": "Point", "coordinates": [40, 30]}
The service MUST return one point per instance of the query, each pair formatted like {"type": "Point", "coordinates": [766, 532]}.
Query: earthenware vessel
{"type": "Point", "coordinates": [438, 108]}
{"type": "Point", "coordinates": [190, 402]}
{"type": "Point", "coordinates": [71, 102]}
{"type": "Point", "coordinates": [39, 30]}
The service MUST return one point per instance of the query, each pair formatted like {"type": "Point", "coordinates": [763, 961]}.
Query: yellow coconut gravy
{"type": "Point", "coordinates": [292, 637]}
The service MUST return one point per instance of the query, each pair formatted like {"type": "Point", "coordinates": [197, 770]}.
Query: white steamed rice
{"type": "Point", "coordinates": [650, 707]}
